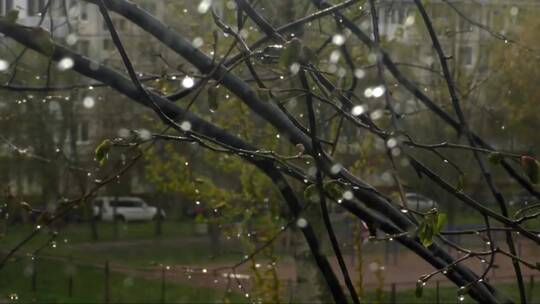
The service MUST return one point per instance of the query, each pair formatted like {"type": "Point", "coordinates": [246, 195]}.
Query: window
{"type": "Point", "coordinates": [6, 6]}
{"type": "Point", "coordinates": [126, 203]}
{"type": "Point", "coordinates": [35, 6]}
{"type": "Point", "coordinates": [84, 11]}
{"type": "Point", "coordinates": [119, 25]}
{"type": "Point", "coordinates": [84, 47]}
{"type": "Point", "coordinates": [108, 44]}
{"type": "Point", "coordinates": [388, 16]}
{"type": "Point", "coordinates": [464, 25]}
{"type": "Point", "coordinates": [98, 203]}
{"type": "Point", "coordinates": [401, 13]}
{"type": "Point", "coordinates": [83, 132]}
{"type": "Point", "coordinates": [465, 55]}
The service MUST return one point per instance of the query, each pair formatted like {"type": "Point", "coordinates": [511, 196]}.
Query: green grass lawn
{"type": "Point", "coordinates": [448, 294]}
{"type": "Point", "coordinates": [81, 232]}
{"type": "Point", "coordinates": [135, 245]}
{"type": "Point", "coordinates": [89, 286]}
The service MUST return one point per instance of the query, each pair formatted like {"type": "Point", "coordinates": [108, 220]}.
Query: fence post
{"type": "Point", "coordinates": [386, 253]}
{"type": "Point", "coordinates": [162, 284]}
{"type": "Point", "coordinates": [437, 294]}
{"type": "Point", "coordinates": [34, 273]}
{"type": "Point", "coordinates": [531, 288]}
{"type": "Point", "coordinates": [70, 277]}
{"type": "Point", "coordinates": [393, 294]}
{"type": "Point", "coordinates": [107, 283]}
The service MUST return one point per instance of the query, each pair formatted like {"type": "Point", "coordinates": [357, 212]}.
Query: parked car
{"type": "Point", "coordinates": [418, 202]}
{"type": "Point", "coordinates": [523, 200]}
{"type": "Point", "coordinates": [124, 208]}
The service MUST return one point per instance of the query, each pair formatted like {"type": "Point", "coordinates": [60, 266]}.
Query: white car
{"type": "Point", "coordinates": [418, 202]}
{"type": "Point", "coordinates": [124, 208]}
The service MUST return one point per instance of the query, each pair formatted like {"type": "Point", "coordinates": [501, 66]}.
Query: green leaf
{"type": "Point", "coordinates": [424, 234]}
{"type": "Point", "coordinates": [430, 227]}
{"type": "Point", "coordinates": [102, 151]}
{"type": "Point", "coordinates": [419, 289]}
{"type": "Point", "coordinates": [495, 158]}
{"type": "Point", "coordinates": [531, 167]}
{"type": "Point", "coordinates": [441, 220]}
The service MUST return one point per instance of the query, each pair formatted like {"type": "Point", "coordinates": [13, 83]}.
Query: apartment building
{"type": "Point", "coordinates": [465, 27]}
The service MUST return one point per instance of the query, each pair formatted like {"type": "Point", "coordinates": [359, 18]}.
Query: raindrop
{"type": "Point", "coordinates": [198, 42]}
{"type": "Point", "coordinates": [188, 82]}
{"type": "Point", "coordinates": [359, 73]}
{"type": "Point", "coordinates": [368, 92]}
{"type": "Point", "coordinates": [376, 114]}
{"type": "Point", "coordinates": [89, 102]}
{"type": "Point", "coordinates": [378, 91]}
{"type": "Point", "coordinates": [72, 38]}
{"type": "Point", "coordinates": [335, 169]}
{"type": "Point", "coordinates": [358, 110]}
{"type": "Point", "coordinates": [204, 6]}
{"type": "Point", "coordinates": [301, 223]}
{"type": "Point", "coordinates": [65, 64]}
{"type": "Point", "coordinates": [334, 56]}
{"type": "Point", "coordinates": [514, 11]}
{"type": "Point", "coordinates": [391, 143]}
{"type": "Point", "coordinates": [4, 65]}
{"type": "Point", "coordinates": [144, 134]}
{"type": "Point", "coordinates": [410, 20]}
{"type": "Point", "coordinates": [123, 132]}
{"type": "Point", "coordinates": [231, 5]}
{"type": "Point", "coordinates": [295, 68]}
{"type": "Point", "coordinates": [338, 39]}
{"type": "Point", "coordinates": [185, 126]}
{"type": "Point", "coordinates": [348, 195]}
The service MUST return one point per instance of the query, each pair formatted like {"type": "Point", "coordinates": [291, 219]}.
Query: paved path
{"type": "Point", "coordinates": [404, 271]}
